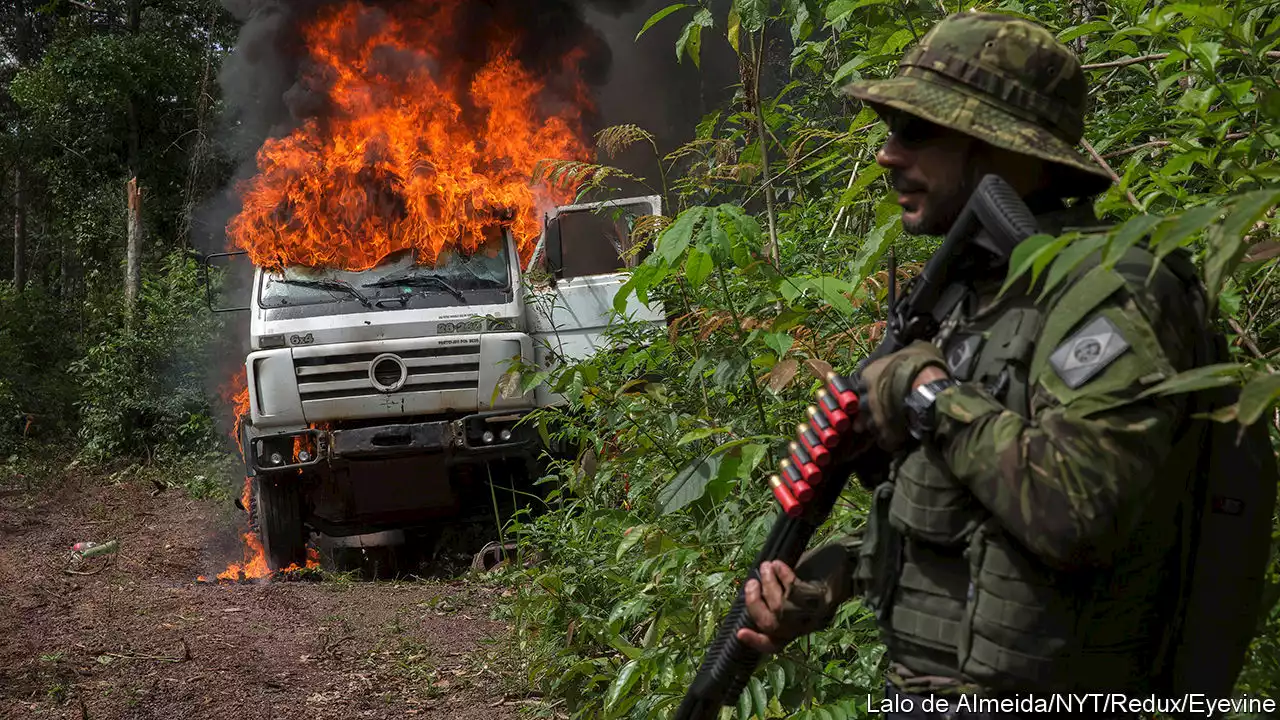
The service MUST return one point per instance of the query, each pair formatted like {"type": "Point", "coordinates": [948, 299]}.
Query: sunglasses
{"type": "Point", "coordinates": [913, 131]}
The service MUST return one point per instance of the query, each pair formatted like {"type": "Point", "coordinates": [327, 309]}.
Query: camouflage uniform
{"type": "Point", "coordinates": [1023, 548]}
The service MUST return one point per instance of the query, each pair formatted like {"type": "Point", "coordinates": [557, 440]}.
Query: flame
{"type": "Point", "coordinates": [254, 565]}
{"type": "Point", "coordinates": [236, 394]}
{"type": "Point", "coordinates": [414, 153]}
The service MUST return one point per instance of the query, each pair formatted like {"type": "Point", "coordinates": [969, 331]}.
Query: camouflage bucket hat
{"type": "Point", "coordinates": [1003, 80]}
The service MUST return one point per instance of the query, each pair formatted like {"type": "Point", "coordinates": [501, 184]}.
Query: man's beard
{"type": "Point", "coordinates": [941, 209]}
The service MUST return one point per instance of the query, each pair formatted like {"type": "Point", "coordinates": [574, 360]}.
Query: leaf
{"type": "Point", "coordinates": [624, 293]}
{"type": "Point", "coordinates": [777, 679]}
{"type": "Point", "coordinates": [1127, 235]}
{"type": "Point", "coordinates": [897, 41]}
{"type": "Point", "coordinates": [1257, 396]}
{"type": "Point", "coordinates": [689, 484]}
{"type": "Point", "coordinates": [697, 267]}
{"type": "Point", "coordinates": [1201, 378]}
{"type": "Point", "coordinates": [779, 342]}
{"type": "Point", "coordinates": [868, 176]}
{"type": "Point", "coordinates": [874, 247]}
{"type": "Point", "coordinates": [1070, 34]}
{"type": "Point", "coordinates": [690, 40]}
{"type": "Point", "coordinates": [656, 17]}
{"type": "Point", "coordinates": [1270, 103]}
{"type": "Point", "coordinates": [622, 684]}
{"type": "Point", "coordinates": [744, 705]}
{"type": "Point", "coordinates": [819, 368]}
{"type": "Point", "coordinates": [1171, 236]}
{"type": "Point", "coordinates": [752, 12]}
{"type": "Point", "coordinates": [1024, 256]}
{"type": "Point", "coordinates": [1262, 251]}
{"type": "Point", "coordinates": [1207, 54]}
{"type": "Point", "coordinates": [800, 25]}
{"type": "Point", "coordinates": [700, 434]}
{"type": "Point", "coordinates": [675, 239]}
{"type": "Point", "coordinates": [1227, 241]}
{"type": "Point", "coordinates": [833, 291]}
{"type": "Point", "coordinates": [1069, 259]}
{"type": "Point", "coordinates": [630, 537]}
{"type": "Point", "coordinates": [735, 21]}
{"type": "Point", "coordinates": [758, 695]}
{"type": "Point", "coordinates": [720, 244]}
{"type": "Point", "coordinates": [782, 374]}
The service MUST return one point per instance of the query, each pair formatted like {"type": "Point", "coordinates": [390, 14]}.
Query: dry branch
{"type": "Point", "coordinates": [1114, 177]}
{"type": "Point", "coordinates": [1164, 143]}
{"type": "Point", "coordinates": [1149, 58]}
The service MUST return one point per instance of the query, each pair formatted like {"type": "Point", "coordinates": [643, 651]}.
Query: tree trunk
{"type": "Point", "coordinates": [133, 247]}
{"type": "Point", "coordinates": [133, 265]}
{"type": "Point", "coordinates": [19, 229]}
{"type": "Point", "coordinates": [1082, 11]}
{"type": "Point", "coordinates": [22, 49]}
{"type": "Point", "coordinates": [751, 75]}
{"type": "Point", "coordinates": [200, 145]}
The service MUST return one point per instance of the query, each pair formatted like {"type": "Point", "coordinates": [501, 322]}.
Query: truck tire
{"type": "Point", "coordinates": [278, 506]}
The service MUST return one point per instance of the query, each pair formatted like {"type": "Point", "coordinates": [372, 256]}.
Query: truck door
{"type": "Point", "coordinates": [587, 250]}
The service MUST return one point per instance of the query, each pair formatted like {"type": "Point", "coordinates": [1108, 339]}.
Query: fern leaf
{"type": "Point", "coordinates": [617, 138]}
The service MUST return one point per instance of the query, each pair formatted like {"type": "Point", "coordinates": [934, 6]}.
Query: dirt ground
{"type": "Point", "coordinates": [143, 639]}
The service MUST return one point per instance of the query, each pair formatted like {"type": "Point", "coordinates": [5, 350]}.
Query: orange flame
{"type": "Point", "coordinates": [422, 155]}
{"type": "Point", "coordinates": [254, 565]}
{"type": "Point", "coordinates": [236, 394]}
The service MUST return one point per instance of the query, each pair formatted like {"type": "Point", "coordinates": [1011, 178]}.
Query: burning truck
{"type": "Point", "coordinates": [394, 239]}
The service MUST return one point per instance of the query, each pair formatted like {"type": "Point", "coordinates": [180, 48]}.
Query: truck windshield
{"type": "Point", "coordinates": [398, 281]}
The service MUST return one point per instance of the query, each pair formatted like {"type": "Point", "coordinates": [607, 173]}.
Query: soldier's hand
{"type": "Point", "coordinates": [765, 599]}
{"type": "Point", "coordinates": [887, 382]}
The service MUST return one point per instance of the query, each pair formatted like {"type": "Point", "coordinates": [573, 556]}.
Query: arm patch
{"type": "Point", "coordinates": [1086, 353]}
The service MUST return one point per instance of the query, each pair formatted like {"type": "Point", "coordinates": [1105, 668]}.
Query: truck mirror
{"type": "Point", "coordinates": [208, 282]}
{"type": "Point", "coordinates": [555, 250]}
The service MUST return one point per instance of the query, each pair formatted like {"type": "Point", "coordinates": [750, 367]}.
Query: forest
{"type": "Point", "coordinates": [117, 153]}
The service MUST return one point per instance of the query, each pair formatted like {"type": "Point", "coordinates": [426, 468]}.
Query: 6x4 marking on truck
{"type": "Point", "coordinates": [301, 339]}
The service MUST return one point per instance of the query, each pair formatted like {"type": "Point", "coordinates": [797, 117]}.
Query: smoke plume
{"type": "Point", "coordinates": [263, 79]}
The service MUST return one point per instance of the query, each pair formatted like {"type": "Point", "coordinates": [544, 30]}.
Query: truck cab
{"type": "Point", "coordinates": [383, 398]}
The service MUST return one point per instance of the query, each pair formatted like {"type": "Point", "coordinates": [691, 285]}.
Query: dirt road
{"type": "Point", "coordinates": [143, 639]}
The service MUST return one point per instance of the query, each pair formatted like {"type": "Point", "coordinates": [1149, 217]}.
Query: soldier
{"type": "Point", "coordinates": [1020, 546]}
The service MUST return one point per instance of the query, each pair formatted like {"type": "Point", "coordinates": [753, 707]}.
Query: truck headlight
{"type": "Point", "coordinates": [487, 436]}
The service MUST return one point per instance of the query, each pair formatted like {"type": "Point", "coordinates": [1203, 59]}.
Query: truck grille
{"type": "Point", "coordinates": [429, 369]}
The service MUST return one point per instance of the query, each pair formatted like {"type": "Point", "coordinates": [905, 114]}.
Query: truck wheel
{"type": "Point", "coordinates": [279, 510]}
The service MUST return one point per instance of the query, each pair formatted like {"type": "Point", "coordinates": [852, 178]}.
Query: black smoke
{"type": "Point", "coordinates": [265, 93]}
{"type": "Point", "coordinates": [262, 81]}
{"type": "Point", "coordinates": [268, 86]}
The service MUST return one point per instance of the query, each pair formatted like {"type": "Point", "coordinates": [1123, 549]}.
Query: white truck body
{"type": "Point", "coordinates": [418, 373]}
{"type": "Point", "coordinates": [300, 370]}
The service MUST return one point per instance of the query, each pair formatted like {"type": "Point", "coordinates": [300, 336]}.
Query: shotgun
{"type": "Point", "coordinates": [826, 453]}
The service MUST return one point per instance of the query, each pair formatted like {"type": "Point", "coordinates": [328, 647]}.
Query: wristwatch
{"type": "Point", "coordinates": [920, 407]}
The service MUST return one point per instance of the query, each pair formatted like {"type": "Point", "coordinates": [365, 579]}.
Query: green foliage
{"type": "Point", "coordinates": [652, 525]}
{"type": "Point", "coordinates": [36, 344]}
{"type": "Point", "coordinates": [86, 99]}
{"type": "Point", "coordinates": [144, 383]}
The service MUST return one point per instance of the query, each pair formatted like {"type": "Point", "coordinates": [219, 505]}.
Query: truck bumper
{"type": "Point", "coordinates": [481, 435]}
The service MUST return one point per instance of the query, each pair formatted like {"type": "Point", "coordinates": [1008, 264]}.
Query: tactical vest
{"type": "Point", "coordinates": [957, 597]}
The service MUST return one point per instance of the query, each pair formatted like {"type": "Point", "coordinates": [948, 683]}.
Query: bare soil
{"type": "Point", "coordinates": [143, 638]}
